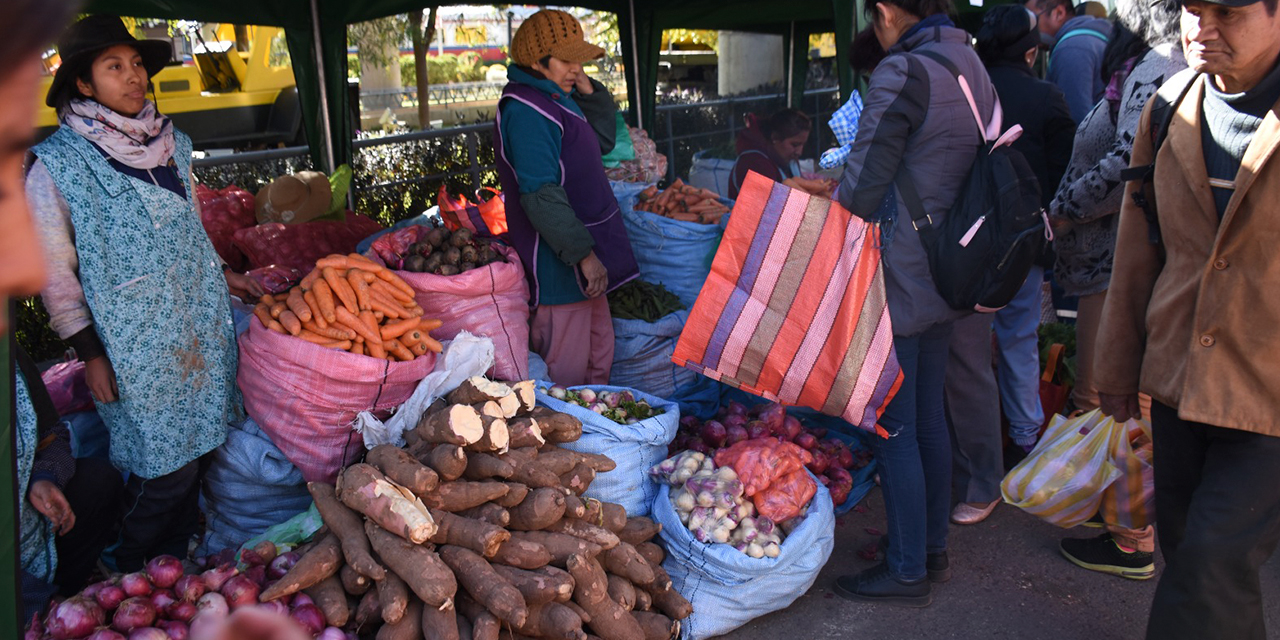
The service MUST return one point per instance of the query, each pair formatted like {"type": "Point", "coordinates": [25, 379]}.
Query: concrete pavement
{"type": "Point", "coordinates": [1009, 582]}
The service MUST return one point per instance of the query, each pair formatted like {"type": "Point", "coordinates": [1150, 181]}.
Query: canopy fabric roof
{"type": "Point", "coordinates": [640, 21]}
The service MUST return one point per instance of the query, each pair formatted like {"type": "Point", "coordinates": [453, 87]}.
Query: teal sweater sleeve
{"type": "Point", "coordinates": [532, 144]}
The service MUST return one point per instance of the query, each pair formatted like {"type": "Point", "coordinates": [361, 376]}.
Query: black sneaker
{"type": "Point", "coordinates": [937, 564]}
{"type": "Point", "coordinates": [878, 584]}
{"type": "Point", "coordinates": [1103, 555]}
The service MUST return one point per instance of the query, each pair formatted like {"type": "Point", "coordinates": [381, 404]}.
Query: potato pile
{"type": "Point", "coordinates": [352, 304]}
{"type": "Point", "coordinates": [683, 202]}
{"type": "Point", "coordinates": [448, 253]}
{"type": "Point", "coordinates": [478, 530]}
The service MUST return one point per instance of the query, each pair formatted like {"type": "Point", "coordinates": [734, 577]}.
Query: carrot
{"type": "Point", "coordinates": [359, 287]}
{"type": "Point", "coordinates": [395, 281]}
{"type": "Point", "coordinates": [430, 325]}
{"type": "Point", "coordinates": [275, 326]}
{"type": "Point", "coordinates": [330, 333]}
{"type": "Point", "coordinates": [278, 308]}
{"type": "Point", "coordinates": [356, 348]}
{"type": "Point", "coordinates": [315, 338]}
{"type": "Point", "coordinates": [298, 305]}
{"type": "Point", "coordinates": [350, 321]}
{"type": "Point", "coordinates": [358, 261]}
{"type": "Point", "coordinates": [371, 322]}
{"type": "Point", "coordinates": [375, 350]}
{"type": "Point", "coordinates": [432, 345]}
{"type": "Point", "coordinates": [291, 322]}
{"type": "Point", "coordinates": [342, 346]}
{"type": "Point", "coordinates": [416, 348]}
{"type": "Point", "coordinates": [267, 299]}
{"type": "Point", "coordinates": [310, 279]}
{"type": "Point", "coordinates": [309, 298]}
{"type": "Point", "coordinates": [341, 289]}
{"type": "Point", "coordinates": [335, 262]}
{"type": "Point", "coordinates": [264, 314]}
{"type": "Point", "coordinates": [324, 300]}
{"type": "Point", "coordinates": [386, 288]}
{"type": "Point", "coordinates": [388, 311]}
{"type": "Point", "coordinates": [401, 352]}
{"type": "Point", "coordinates": [396, 329]}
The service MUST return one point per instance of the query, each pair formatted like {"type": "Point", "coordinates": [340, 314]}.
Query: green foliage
{"type": "Point", "coordinates": [1064, 334]}
{"type": "Point", "coordinates": [31, 328]}
{"type": "Point", "coordinates": [375, 38]}
{"type": "Point", "coordinates": [444, 69]}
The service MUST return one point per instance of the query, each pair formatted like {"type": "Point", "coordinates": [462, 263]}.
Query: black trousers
{"type": "Point", "coordinates": [94, 495]}
{"type": "Point", "coordinates": [1218, 521]}
{"type": "Point", "coordinates": [161, 515]}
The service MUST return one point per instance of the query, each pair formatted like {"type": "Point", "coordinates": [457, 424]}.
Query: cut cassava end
{"type": "Point", "coordinates": [591, 592]}
{"type": "Point", "coordinates": [426, 574]}
{"type": "Point", "coordinates": [483, 466]}
{"type": "Point", "coordinates": [557, 427]}
{"type": "Point", "coordinates": [496, 438]}
{"type": "Point", "coordinates": [478, 390]}
{"type": "Point", "coordinates": [542, 508]}
{"type": "Point", "coordinates": [525, 432]}
{"type": "Point", "coordinates": [485, 585]}
{"type": "Point", "coordinates": [349, 527]}
{"type": "Point", "coordinates": [461, 495]}
{"type": "Point", "coordinates": [459, 424]}
{"type": "Point", "coordinates": [402, 468]}
{"type": "Point", "coordinates": [526, 391]}
{"type": "Point", "coordinates": [392, 506]}
{"type": "Point", "coordinates": [320, 562]}
{"type": "Point", "coordinates": [481, 537]}
{"type": "Point", "coordinates": [586, 531]}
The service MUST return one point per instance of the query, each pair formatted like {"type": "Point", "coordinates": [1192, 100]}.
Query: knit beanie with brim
{"type": "Point", "coordinates": [552, 33]}
{"type": "Point", "coordinates": [1007, 33]}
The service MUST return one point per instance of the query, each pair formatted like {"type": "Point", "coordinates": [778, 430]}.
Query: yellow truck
{"type": "Point", "coordinates": [243, 96]}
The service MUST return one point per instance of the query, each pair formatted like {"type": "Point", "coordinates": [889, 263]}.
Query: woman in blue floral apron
{"type": "Point", "coordinates": [134, 283]}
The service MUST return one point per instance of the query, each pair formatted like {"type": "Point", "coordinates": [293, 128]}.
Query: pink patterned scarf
{"type": "Point", "coordinates": [144, 141]}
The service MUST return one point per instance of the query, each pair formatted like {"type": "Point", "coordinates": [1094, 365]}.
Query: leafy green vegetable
{"type": "Point", "coordinates": [639, 300]}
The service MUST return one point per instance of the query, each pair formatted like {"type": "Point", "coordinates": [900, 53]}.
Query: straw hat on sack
{"type": "Point", "coordinates": [552, 33]}
{"type": "Point", "coordinates": [294, 199]}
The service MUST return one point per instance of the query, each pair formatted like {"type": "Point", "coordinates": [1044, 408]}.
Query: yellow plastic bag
{"type": "Point", "coordinates": [1063, 480]}
{"type": "Point", "coordinates": [1130, 500]}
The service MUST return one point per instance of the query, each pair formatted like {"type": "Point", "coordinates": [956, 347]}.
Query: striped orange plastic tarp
{"type": "Point", "coordinates": [794, 309]}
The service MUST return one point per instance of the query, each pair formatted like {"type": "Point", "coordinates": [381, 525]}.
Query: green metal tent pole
{"type": "Point", "coordinates": [326, 126]}
{"type": "Point", "coordinates": [846, 27]}
{"type": "Point", "coordinates": [637, 107]}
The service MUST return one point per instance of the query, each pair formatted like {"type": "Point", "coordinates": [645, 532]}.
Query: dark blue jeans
{"type": "Point", "coordinates": [915, 460]}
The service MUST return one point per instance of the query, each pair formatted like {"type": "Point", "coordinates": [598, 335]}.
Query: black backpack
{"type": "Point", "coordinates": [995, 232]}
{"type": "Point", "coordinates": [1163, 107]}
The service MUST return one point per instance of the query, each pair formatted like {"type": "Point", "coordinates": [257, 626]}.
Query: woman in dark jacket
{"type": "Point", "coordinates": [770, 147]}
{"type": "Point", "coordinates": [1007, 42]}
{"type": "Point", "coordinates": [915, 142]}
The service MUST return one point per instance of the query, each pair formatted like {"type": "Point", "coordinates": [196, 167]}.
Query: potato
{"type": "Point", "coordinates": [433, 262]}
{"type": "Point", "coordinates": [437, 236]}
{"type": "Point", "coordinates": [470, 254]}
{"type": "Point", "coordinates": [460, 238]}
{"type": "Point", "coordinates": [453, 256]}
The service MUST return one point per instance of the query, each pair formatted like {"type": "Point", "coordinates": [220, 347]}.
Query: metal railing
{"type": "Point", "coordinates": [454, 93]}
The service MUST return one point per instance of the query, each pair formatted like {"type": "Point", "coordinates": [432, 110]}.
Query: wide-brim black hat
{"type": "Point", "coordinates": [84, 40]}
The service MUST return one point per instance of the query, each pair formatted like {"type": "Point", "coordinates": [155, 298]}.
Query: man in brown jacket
{"type": "Point", "coordinates": [1194, 321]}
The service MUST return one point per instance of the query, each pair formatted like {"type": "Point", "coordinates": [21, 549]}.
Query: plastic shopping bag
{"type": "Point", "coordinates": [1130, 501]}
{"type": "Point", "coordinates": [1063, 479]}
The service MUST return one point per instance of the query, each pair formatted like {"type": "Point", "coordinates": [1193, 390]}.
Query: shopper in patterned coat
{"type": "Point", "coordinates": [134, 283]}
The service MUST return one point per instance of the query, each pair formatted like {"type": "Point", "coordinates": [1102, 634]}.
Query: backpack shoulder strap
{"type": "Point", "coordinates": [1164, 105]}
{"type": "Point", "coordinates": [989, 132]}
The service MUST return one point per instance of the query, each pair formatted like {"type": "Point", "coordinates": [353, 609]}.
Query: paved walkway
{"type": "Point", "coordinates": [1009, 582]}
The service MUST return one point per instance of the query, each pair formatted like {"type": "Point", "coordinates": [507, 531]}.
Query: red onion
{"type": "Point", "coordinates": [332, 633]}
{"type": "Point", "coordinates": [735, 421]}
{"type": "Point", "coordinates": [714, 434]}
{"type": "Point", "coordinates": [174, 629]}
{"type": "Point", "coordinates": [807, 441]}
{"type": "Point", "coordinates": [820, 463]}
{"type": "Point", "coordinates": [35, 630]}
{"type": "Point", "coordinates": [205, 625]}
{"type": "Point", "coordinates": [133, 613]}
{"type": "Point", "coordinates": [164, 571]}
{"type": "Point", "coordinates": [182, 611]}
{"type": "Point", "coordinates": [774, 415]}
{"type": "Point", "coordinates": [222, 557]}
{"type": "Point", "coordinates": [110, 597]}
{"type": "Point", "coordinates": [300, 599]}
{"type": "Point", "coordinates": [148, 633]}
{"type": "Point", "coordinates": [845, 458]}
{"type": "Point", "coordinates": [734, 435]}
{"type": "Point", "coordinates": [74, 618]}
{"type": "Point", "coordinates": [257, 573]}
{"type": "Point", "coordinates": [241, 591]}
{"type": "Point", "coordinates": [282, 564]}
{"type": "Point", "coordinates": [792, 428]}
{"type": "Point", "coordinates": [736, 408]}
{"type": "Point", "coordinates": [91, 591]}
{"type": "Point", "coordinates": [105, 634]}
{"type": "Point", "coordinates": [310, 617]}
{"type": "Point", "coordinates": [262, 553]}
{"type": "Point", "coordinates": [189, 588]}
{"type": "Point", "coordinates": [212, 604]}
{"type": "Point", "coordinates": [218, 576]}
{"type": "Point", "coordinates": [275, 606]}
{"type": "Point", "coordinates": [757, 429]}
{"type": "Point", "coordinates": [162, 598]}
{"type": "Point", "coordinates": [136, 585]}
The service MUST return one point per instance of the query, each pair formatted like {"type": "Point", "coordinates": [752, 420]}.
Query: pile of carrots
{"type": "Point", "coordinates": [683, 202]}
{"type": "Point", "coordinates": [354, 304]}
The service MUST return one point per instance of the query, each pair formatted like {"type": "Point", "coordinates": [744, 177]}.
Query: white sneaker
{"type": "Point", "coordinates": [965, 513]}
